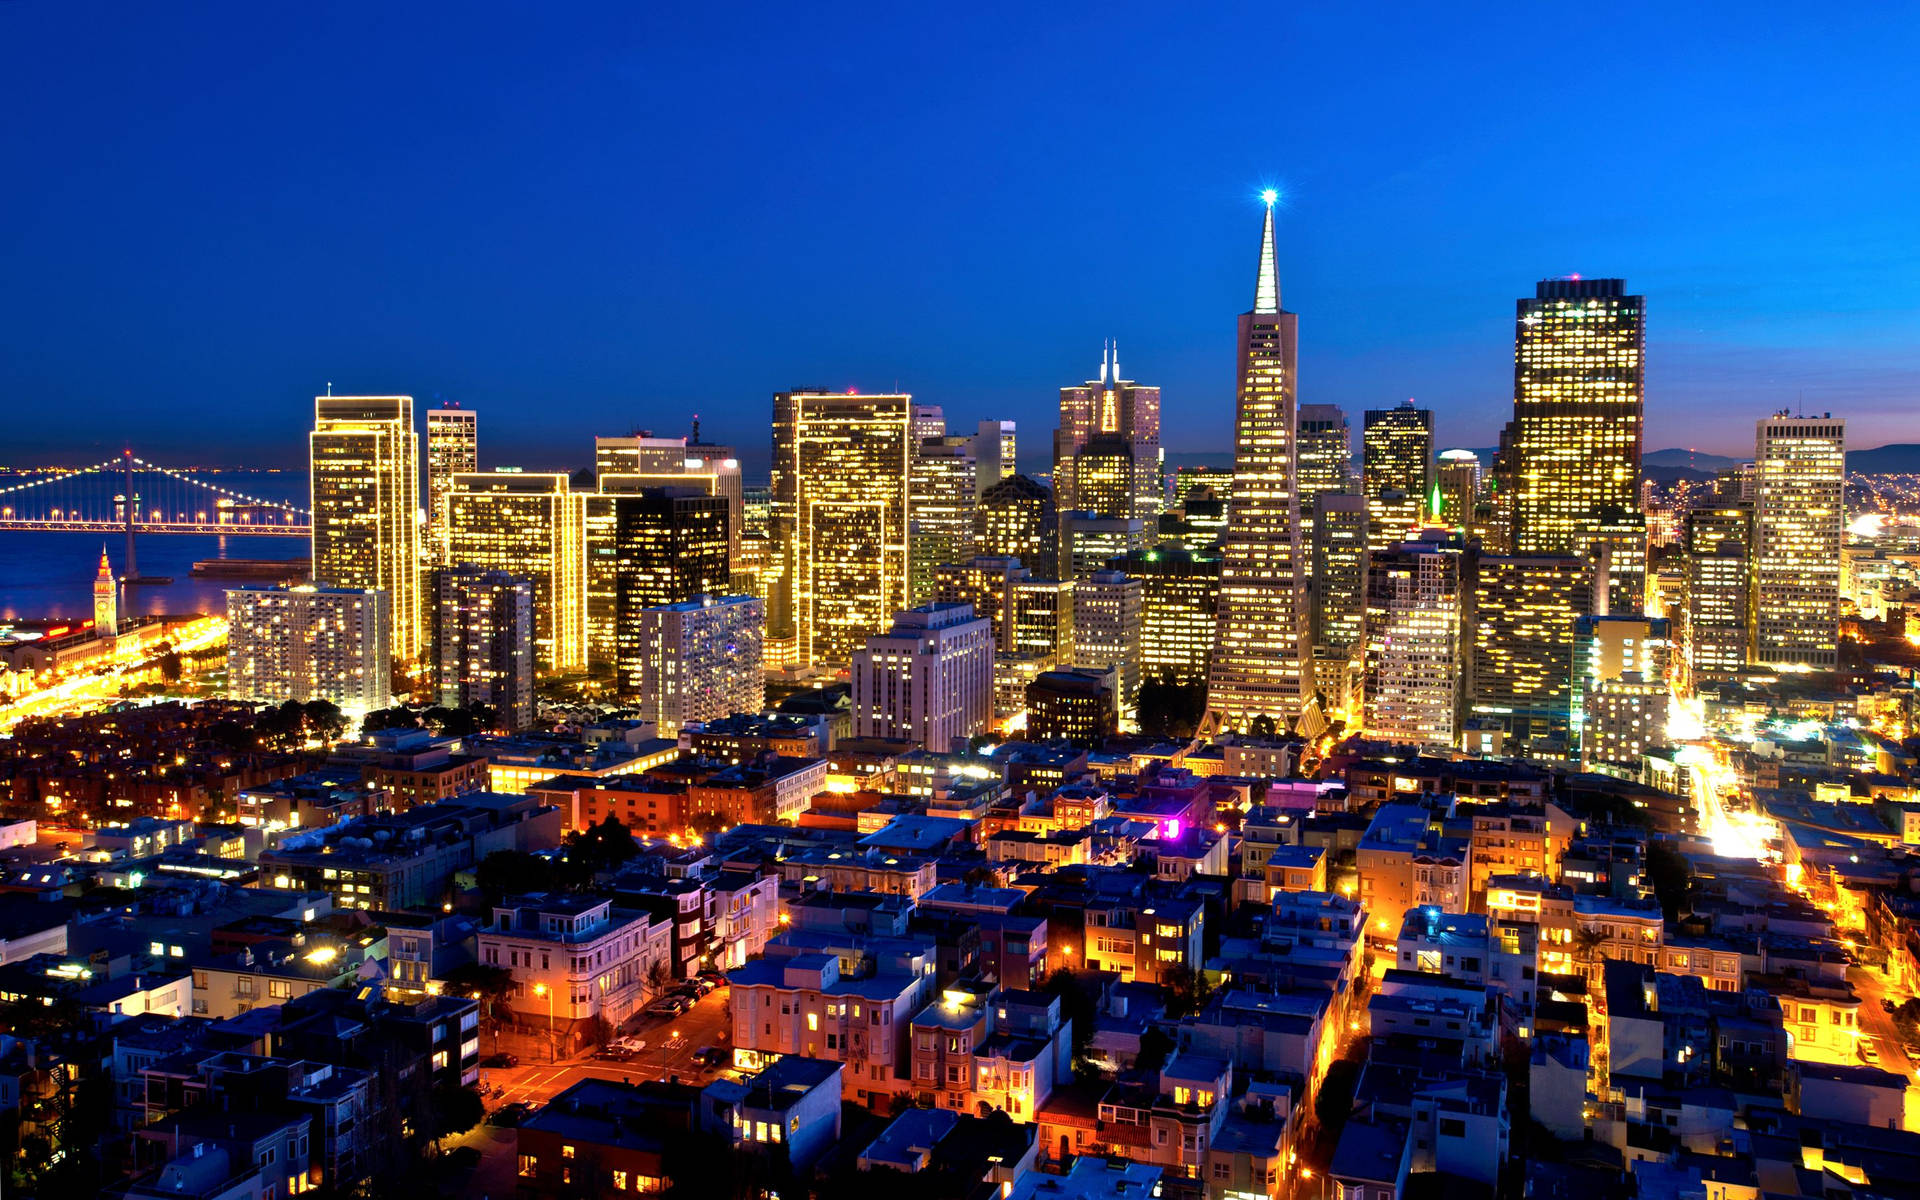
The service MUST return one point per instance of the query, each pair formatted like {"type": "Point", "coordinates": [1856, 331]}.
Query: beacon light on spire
{"type": "Point", "coordinates": [1270, 197]}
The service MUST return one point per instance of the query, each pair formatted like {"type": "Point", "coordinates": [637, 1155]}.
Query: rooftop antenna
{"type": "Point", "coordinates": [696, 428]}
{"type": "Point", "coordinates": [329, 387]}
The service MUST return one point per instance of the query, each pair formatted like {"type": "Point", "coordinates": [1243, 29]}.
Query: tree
{"type": "Point", "coordinates": [1171, 709]}
{"type": "Point", "coordinates": [454, 1110]}
{"type": "Point", "coordinates": [397, 717]}
{"type": "Point", "coordinates": [170, 667]}
{"type": "Point", "coordinates": [1185, 990]}
{"type": "Point", "coordinates": [491, 986]}
{"type": "Point", "coordinates": [597, 848]}
{"type": "Point", "coordinates": [1262, 726]}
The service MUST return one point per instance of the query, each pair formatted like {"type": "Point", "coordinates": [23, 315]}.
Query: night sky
{"type": "Point", "coordinates": [582, 218]}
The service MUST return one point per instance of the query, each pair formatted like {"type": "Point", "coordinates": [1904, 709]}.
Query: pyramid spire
{"type": "Point", "coordinates": [1266, 292]}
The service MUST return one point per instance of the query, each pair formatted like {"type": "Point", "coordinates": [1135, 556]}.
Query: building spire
{"type": "Point", "coordinates": [1116, 362]}
{"type": "Point", "coordinates": [1104, 352]}
{"type": "Point", "coordinates": [1266, 292]}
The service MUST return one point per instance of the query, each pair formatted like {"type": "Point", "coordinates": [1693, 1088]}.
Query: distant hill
{"type": "Point", "coordinates": [1692, 460]}
{"type": "Point", "coordinates": [1900, 458]}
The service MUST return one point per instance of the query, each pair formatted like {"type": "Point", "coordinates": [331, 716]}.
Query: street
{"type": "Point", "coordinates": [671, 1045]}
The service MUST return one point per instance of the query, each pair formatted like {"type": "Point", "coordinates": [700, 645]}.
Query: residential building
{"type": "Point", "coordinates": [929, 680]}
{"type": "Point", "coordinates": [311, 643]}
{"type": "Point", "coordinates": [484, 638]}
{"type": "Point", "coordinates": [575, 958]}
{"type": "Point", "coordinates": [698, 660]}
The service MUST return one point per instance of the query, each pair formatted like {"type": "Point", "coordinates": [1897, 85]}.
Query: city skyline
{"type": "Point", "coordinates": [1770, 289]}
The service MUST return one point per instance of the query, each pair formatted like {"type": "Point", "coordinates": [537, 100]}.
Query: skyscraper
{"type": "Point", "coordinates": [985, 581]}
{"type": "Point", "coordinates": [1578, 390]}
{"type": "Point", "coordinates": [1325, 457]}
{"type": "Point", "coordinates": [944, 501]}
{"type": "Point", "coordinates": [1395, 462]}
{"type": "Point", "coordinates": [995, 445]}
{"type": "Point", "coordinates": [530, 525]}
{"type": "Point", "coordinates": [1620, 688]}
{"type": "Point", "coordinates": [1179, 611]}
{"type": "Point", "coordinates": [928, 680]}
{"type": "Point", "coordinates": [1257, 666]}
{"type": "Point", "coordinates": [1106, 452]}
{"type": "Point", "coordinates": [1106, 630]}
{"type": "Point", "coordinates": [842, 510]}
{"type": "Point", "coordinates": [1016, 519]}
{"type": "Point", "coordinates": [1339, 570]}
{"type": "Point", "coordinates": [1521, 634]}
{"type": "Point", "coordinates": [483, 627]}
{"type": "Point", "coordinates": [1800, 478]}
{"type": "Point", "coordinates": [453, 448]}
{"type": "Point", "coordinates": [1089, 541]}
{"type": "Point", "coordinates": [1411, 688]}
{"type": "Point", "coordinates": [1457, 485]}
{"type": "Point", "coordinates": [632, 464]}
{"type": "Point", "coordinates": [1716, 613]}
{"type": "Point", "coordinates": [364, 481]}
{"type": "Point", "coordinates": [697, 660]}
{"type": "Point", "coordinates": [669, 545]}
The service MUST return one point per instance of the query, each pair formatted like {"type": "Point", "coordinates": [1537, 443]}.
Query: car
{"type": "Point", "coordinates": [511, 1116]}
{"type": "Point", "coordinates": [668, 1006]}
{"type": "Point", "coordinates": [711, 1058]}
{"type": "Point", "coordinates": [702, 986]}
{"type": "Point", "coordinates": [1869, 1053]}
{"type": "Point", "coordinates": [497, 1061]}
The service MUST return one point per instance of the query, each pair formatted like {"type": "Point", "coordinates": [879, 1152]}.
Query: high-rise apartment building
{"type": "Point", "coordinates": [1106, 452]}
{"type": "Point", "coordinates": [484, 642]}
{"type": "Point", "coordinates": [530, 525]}
{"type": "Point", "coordinates": [697, 660]}
{"type": "Point", "coordinates": [669, 545]}
{"type": "Point", "coordinates": [453, 448]}
{"type": "Point", "coordinates": [1800, 479]}
{"type": "Point", "coordinates": [1179, 611]}
{"type": "Point", "coordinates": [841, 513]}
{"type": "Point", "coordinates": [928, 680]}
{"type": "Point", "coordinates": [1016, 519]}
{"type": "Point", "coordinates": [310, 643]}
{"type": "Point", "coordinates": [1521, 635]}
{"type": "Point", "coordinates": [1579, 377]}
{"type": "Point", "coordinates": [944, 502]}
{"type": "Point", "coordinates": [1258, 666]}
{"type": "Point", "coordinates": [1716, 612]}
{"type": "Point", "coordinates": [1107, 608]}
{"type": "Point", "coordinates": [1411, 687]}
{"type": "Point", "coordinates": [1395, 461]}
{"type": "Point", "coordinates": [364, 481]}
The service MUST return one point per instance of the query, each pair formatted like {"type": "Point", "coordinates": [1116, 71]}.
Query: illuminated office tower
{"type": "Point", "coordinates": [364, 476]}
{"type": "Point", "coordinates": [1578, 391]}
{"type": "Point", "coordinates": [944, 501]}
{"type": "Point", "coordinates": [1800, 479]}
{"type": "Point", "coordinates": [697, 660]}
{"type": "Point", "coordinates": [1089, 541]}
{"type": "Point", "coordinates": [1179, 611]}
{"type": "Point", "coordinates": [841, 513]}
{"type": "Point", "coordinates": [1258, 660]}
{"type": "Point", "coordinates": [1457, 484]}
{"type": "Point", "coordinates": [1520, 638]}
{"type": "Point", "coordinates": [995, 446]}
{"type": "Point", "coordinates": [483, 642]}
{"type": "Point", "coordinates": [1043, 620]}
{"type": "Point", "coordinates": [1106, 452]}
{"type": "Point", "coordinates": [1325, 459]}
{"type": "Point", "coordinates": [1493, 520]}
{"type": "Point", "coordinates": [1198, 521]}
{"type": "Point", "coordinates": [310, 643]}
{"type": "Point", "coordinates": [632, 464]}
{"type": "Point", "coordinates": [1411, 685]}
{"type": "Point", "coordinates": [928, 680]}
{"type": "Point", "coordinates": [929, 422]}
{"type": "Point", "coordinates": [1620, 664]}
{"type": "Point", "coordinates": [453, 448]}
{"type": "Point", "coordinates": [1616, 545]}
{"type": "Point", "coordinates": [985, 581]}
{"type": "Point", "coordinates": [1339, 570]}
{"type": "Point", "coordinates": [669, 545]}
{"type": "Point", "coordinates": [1016, 518]}
{"type": "Point", "coordinates": [531, 525]}
{"type": "Point", "coordinates": [1395, 452]}
{"type": "Point", "coordinates": [1107, 629]}
{"type": "Point", "coordinates": [1716, 612]}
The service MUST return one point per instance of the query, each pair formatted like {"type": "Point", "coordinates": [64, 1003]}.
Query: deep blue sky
{"type": "Point", "coordinates": [582, 217]}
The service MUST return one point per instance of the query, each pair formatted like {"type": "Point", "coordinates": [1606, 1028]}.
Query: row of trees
{"type": "Point", "coordinates": [437, 719]}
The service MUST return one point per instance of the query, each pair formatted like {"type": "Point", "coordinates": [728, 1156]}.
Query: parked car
{"type": "Point", "coordinates": [669, 1006]}
{"type": "Point", "coordinates": [702, 985]}
{"type": "Point", "coordinates": [1869, 1053]}
{"type": "Point", "coordinates": [496, 1061]}
{"type": "Point", "coordinates": [512, 1115]}
{"type": "Point", "coordinates": [710, 1057]}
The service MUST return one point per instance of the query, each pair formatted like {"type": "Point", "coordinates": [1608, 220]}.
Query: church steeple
{"type": "Point", "coordinates": [1266, 292]}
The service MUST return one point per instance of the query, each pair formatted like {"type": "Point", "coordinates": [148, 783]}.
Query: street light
{"type": "Point", "coordinates": [541, 989]}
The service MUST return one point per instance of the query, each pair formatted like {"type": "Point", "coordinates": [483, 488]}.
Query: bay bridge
{"type": "Point", "coordinates": [130, 495]}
